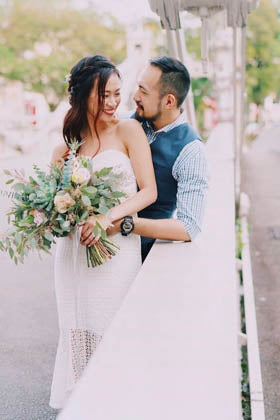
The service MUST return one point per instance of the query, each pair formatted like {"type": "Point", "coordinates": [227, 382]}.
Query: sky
{"type": "Point", "coordinates": [126, 11]}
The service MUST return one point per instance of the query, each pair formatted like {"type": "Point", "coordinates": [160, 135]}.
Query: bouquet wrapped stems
{"type": "Point", "coordinates": [100, 252]}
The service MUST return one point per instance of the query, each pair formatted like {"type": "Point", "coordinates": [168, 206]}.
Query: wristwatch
{"type": "Point", "coordinates": [127, 225]}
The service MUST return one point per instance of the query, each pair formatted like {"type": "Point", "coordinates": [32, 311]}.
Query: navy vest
{"type": "Point", "coordinates": [165, 150]}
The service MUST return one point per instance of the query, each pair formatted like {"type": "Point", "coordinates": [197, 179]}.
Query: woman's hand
{"type": "Point", "coordinates": [87, 236]}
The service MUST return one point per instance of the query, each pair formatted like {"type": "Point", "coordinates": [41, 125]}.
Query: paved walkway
{"type": "Point", "coordinates": [28, 324]}
{"type": "Point", "coordinates": [261, 181]}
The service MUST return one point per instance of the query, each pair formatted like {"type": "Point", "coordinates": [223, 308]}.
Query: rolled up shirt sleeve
{"type": "Point", "coordinates": [191, 173]}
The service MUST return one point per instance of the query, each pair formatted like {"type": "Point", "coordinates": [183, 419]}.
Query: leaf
{"type": "Point", "coordinates": [32, 181]}
{"type": "Point", "coordinates": [33, 243]}
{"type": "Point", "coordinates": [96, 230]}
{"type": "Point", "coordinates": [48, 236]}
{"type": "Point", "coordinates": [11, 252]}
{"type": "Point", "coordinates": [16, 260]}
{"type": "Point", "coordinates": [118, 194]}
{"type": "Point", "coordinates": [9, 181]}
{"type": "Point", "coordinates": [103, 172]}
{"type": "Point", "coordinates": [18, 186]}
{"type": "Point", "coordinates": [17, 238]}
{"type": "Point", "coordinates": [65, 225]}
{"type": "Point", "coordinates": [7, 172]}
{"type": "Point", "coordinates": [32, 196]}
{"type": "Point", "coordinates": [103, 209]}
{"type": "Point", "coordinates": [89, 190]}
{"type": "Point", "coordinates": [57, 230]}
{"type": "Point", "coordinates": [84, 216]}
{"type": "Point", "coordinates": [103, 234]}
{"type": "Point", "coordinates": [86, 200]}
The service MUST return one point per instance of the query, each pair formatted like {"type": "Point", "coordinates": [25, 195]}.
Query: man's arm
{"type": "Point", "coordinates": [190, 171]}
{"type": "Point", "coordinates": [168, 229]}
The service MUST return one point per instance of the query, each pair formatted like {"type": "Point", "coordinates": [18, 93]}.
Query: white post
{"type": "Point", "coordinates": [189, 103]}
{"type": "Point", "coordinates": [171, 43]}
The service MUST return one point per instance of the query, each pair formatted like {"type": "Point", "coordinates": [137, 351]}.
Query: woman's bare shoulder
{"type": "Point", "coordinates": [59, 152]}
{"type": "Point", "coordinates": [129, 124]}
{"type": "Point", "coordinates": [128, 127]}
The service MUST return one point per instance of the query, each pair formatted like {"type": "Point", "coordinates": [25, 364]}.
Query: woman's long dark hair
{"type": "Point", "coordinates": [82, 78]}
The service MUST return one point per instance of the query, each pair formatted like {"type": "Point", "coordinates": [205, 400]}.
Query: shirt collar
{"type": "Point", "coordinates": [180, 120]}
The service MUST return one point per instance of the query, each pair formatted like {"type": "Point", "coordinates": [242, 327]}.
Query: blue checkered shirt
{"type": "Point", "coordinates": [191, 173]}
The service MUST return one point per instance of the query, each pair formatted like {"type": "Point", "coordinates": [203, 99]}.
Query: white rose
{"type": "Point", "coordinates": [63, 202]}
{"type": "Point", "coordinates": [81, 176]}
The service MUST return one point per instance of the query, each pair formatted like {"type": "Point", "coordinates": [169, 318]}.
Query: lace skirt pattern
{"type": "Point", "coordinates": [87, 300]}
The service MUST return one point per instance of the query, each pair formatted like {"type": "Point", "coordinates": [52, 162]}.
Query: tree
{"type": "Point", "coordinates": [263, 53]}
{"type": "Point", "coordinates": [40, 44]}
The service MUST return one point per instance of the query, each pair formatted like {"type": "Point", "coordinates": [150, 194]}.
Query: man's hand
{"type": "Point", "coordinates": [115, 228]}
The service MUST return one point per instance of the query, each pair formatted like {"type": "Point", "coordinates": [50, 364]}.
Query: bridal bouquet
{"type": "Point", "coordinates": [53, 204]}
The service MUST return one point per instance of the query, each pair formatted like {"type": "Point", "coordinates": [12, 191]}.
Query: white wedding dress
{"type": "Point", "coordinates": [88, 298]}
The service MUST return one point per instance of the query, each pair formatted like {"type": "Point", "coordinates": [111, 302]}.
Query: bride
{"type": "Point", "coordinates": [88, 298]}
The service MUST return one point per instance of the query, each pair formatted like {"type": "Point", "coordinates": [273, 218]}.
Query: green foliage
{"type": "Point", "coordinates": [201, 87]}
{"type": "Point", "coordinates": [68, 34]}
{"type": "Point", "coordinates": [263, 53]}
{"type": "Point", "coordinates": [193, 42]}
{"type": "Point", "coordinates": [52, 204]}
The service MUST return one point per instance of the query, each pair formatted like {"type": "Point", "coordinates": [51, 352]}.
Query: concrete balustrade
{"type": "Point", "coordinates": [172, 350]}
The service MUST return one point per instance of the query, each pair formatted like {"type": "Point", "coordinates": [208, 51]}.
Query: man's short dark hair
{"type": "Point", "coordinates": [174, 79]}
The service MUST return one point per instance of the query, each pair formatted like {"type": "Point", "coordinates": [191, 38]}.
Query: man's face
{"type": "Point", "coordinates": [147, 96]}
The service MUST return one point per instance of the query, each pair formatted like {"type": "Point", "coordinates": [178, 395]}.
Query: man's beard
{"type": "Point", "coordinates": [148, 119]}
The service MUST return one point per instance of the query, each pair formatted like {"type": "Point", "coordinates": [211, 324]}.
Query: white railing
{"type": "Point", "coordinates": [255, 376]}
{"type": "Point", "coordinates": [171, 351]}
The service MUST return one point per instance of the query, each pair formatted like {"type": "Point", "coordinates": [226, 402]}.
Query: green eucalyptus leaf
{"type": "Point", "coordinates": [48, 236]}
{"type": "Point", "coordinates": [18, 186]}
{"type": "Point", "coordinates": [103, 209]}
{"type": "Point", "coordinates": [118, 194]}
{"type": "Point", "coordinates": [84, 216]}
{"type": "Point", "coordinates": [103, 172]}
{"type": "Point", "coordinates": [66, 224]}
{"type": "Point", "coordinates": [32, 196]}
{"type": "Point", "coordinates": [86, 200]}
{"type": "Point", "coordinates": [90, 190]}
{"type": "Point", "coordinates": [11, 252]}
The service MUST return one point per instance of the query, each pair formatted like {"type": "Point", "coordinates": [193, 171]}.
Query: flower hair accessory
{"type": "Point", "coordinates": [67, 78]}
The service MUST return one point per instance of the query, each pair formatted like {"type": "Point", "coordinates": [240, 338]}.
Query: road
{"type": "Point", "coordinates": [28, 321]}
{"type": "Point", "coordinates": [261, 181]}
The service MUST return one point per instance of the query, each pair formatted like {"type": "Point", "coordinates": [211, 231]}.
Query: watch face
{"type": "Point", "coordinates": [127, 226]}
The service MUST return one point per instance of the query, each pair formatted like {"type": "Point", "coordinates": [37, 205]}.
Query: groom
{"type": "Point", "coordinates": [178, 156]}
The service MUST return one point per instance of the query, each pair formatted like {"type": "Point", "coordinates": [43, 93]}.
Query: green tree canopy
{"type": "Point", "coordinates": [263, 53]}
{"type": "Point", "coordinates": [40, 42]}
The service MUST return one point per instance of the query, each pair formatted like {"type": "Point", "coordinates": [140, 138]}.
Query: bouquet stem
{"type": "Point", "coordinates": [100, 252]}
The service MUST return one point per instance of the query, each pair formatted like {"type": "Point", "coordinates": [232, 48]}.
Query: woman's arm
{"type": "Point", "coordinates": [136, 143]}
{"type": "Point", "coordinates": [139, 152]}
